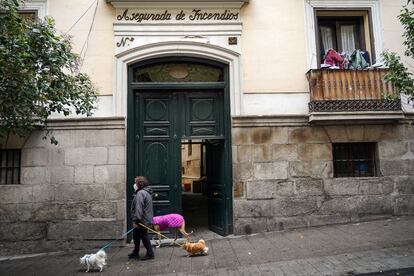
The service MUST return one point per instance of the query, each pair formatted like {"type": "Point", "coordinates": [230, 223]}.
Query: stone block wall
{"type": "Point", "coordinates": [71, 195]}
{"type": "Point", "coordinates": [283, 175]}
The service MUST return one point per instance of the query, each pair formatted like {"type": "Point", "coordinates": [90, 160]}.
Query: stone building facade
{"type": "Point", "coordinates": [284, 175]}
{"type": "Point", "coordinates": [260, 116]}
{"type": "Point", "coordinates": [70, 195]}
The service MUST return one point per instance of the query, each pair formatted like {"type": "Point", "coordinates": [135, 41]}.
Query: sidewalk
{"type": "Point", "coordinates": [330, 250]}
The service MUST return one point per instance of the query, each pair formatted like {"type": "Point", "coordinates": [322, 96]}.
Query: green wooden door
{"type": "Point", "coordinates": [160, 115]}
{"type": "Point", "coordinates": [216, 178]}
{"type": "Point", "coordinates": [157, 148]}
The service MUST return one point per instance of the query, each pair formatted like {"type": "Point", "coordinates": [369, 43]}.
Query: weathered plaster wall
{"type": "Point", "coordinates": [273, 44]}
{"type": "Point", "coordinates": [392, 28]}
{"type": "Point", "coordinates": [99, 56]}
{"type": "Point", "coordinates": [274, 56]}
{"type": "Point", "coordinates": [283, 176]}
{"type": "Point", "coordinates": [71, 195]}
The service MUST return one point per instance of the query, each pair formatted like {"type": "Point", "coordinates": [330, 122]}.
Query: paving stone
{"type": "Point", "coordinates": [273, 270]}
{"type": "Point", "coordinates": [245, 252]}
{"type": "Point", "coordinates": [328, 250]}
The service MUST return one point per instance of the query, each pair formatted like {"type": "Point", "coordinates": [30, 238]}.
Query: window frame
{"type": "Point", "coordinates": [316, 10]}
{"type": "Point", "coordinates": [39, 6]}
{"type": "Point", "coordinates": [336, 23]}
{"type": "Point", "coordinates": [13, 167]}
{"type": "Point", "coordinates": [349, 159]}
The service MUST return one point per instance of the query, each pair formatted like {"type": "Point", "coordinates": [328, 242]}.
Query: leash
{"type": "Point", "coordinates": [108, 244]}
{"type": "Point", "coordinates": [158, 233]}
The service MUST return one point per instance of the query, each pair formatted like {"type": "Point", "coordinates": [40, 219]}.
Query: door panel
{"type": "Point", "coordinates": [204, 114]}
{"type": "Point", "coordinates": [162, 119]}
{"type": "Point", "coordinates": [157, 149]}
{"type": "Point", "coordinates": [156, 161]}
{"type": "Point", "coordinates": [216, 177]}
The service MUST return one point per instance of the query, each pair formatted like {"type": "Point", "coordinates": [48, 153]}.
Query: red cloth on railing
{"type": "Point", "coordinates": [333, 58]}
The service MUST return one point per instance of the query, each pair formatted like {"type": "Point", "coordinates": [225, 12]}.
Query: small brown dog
{"type": "Point", "coordinates": [194, 248]}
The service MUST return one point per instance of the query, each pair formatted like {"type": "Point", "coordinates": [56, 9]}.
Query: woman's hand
{"type": "Point", "coordinates": [134, 225]}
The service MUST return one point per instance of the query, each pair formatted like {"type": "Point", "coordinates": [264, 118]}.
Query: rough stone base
{"type": "Point", "coordinates": [283, 176]}
{"type": "Point", "coordinates": [71, 196]}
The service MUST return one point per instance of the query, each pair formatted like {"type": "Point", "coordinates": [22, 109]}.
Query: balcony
{"type": "Point", "coordinates": [352, 95]}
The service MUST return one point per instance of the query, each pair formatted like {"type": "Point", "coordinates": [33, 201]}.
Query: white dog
{"type": "Point", "coordinates": [94, 260]}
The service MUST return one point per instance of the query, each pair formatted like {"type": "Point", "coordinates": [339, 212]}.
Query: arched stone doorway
{"type": "Point", "coordinates": [171, 101]}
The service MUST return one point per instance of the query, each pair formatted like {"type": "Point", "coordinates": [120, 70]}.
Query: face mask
{"type": "Point", "coordinates": [135, 187]}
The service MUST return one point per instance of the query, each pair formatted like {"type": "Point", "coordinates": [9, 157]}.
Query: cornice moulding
{"type": "Point", "coordinates": [155, 4]}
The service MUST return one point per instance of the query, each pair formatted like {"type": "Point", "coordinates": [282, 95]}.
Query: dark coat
{"type": "Point", "coordinates": [141, 207]}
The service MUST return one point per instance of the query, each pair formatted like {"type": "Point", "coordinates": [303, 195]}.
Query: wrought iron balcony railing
{"type": "Point", "coordinates": [351, 90]}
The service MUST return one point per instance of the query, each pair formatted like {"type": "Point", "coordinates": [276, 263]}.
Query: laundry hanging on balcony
{"type": "Point", "coordinates": [358, 60]}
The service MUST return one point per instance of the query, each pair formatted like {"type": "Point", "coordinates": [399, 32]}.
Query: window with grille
{"type": "Point", "coordinates": [10, 166]}
{"type": "Point", "coordinates": [354, 159]}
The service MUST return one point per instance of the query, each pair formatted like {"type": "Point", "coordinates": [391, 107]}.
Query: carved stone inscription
{"type": "Point", "coordinates": [124, 41]}
{"type": "Point", "coordinates": [193, 15]}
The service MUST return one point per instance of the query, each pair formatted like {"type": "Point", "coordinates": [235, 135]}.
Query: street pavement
{"type": "Point", "coordinates": [382, 247]}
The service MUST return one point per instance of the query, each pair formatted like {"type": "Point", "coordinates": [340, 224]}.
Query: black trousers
{"type": "Point", "coordinates": [139, 234]}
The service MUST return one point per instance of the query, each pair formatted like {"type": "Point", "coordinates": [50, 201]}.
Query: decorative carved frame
{"type": "Point", "coordinates": [175, 48]}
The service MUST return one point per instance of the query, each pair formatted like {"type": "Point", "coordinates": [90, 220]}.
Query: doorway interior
{"type": "Point", "coordinates": [197, 182]}
{"type": "Point", "coordinates": [194, 185]}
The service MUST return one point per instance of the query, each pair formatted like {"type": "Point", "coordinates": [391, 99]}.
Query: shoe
{"type": "Point", "coordinates": [133, 254]}
{"type": "Point", "coordinates": [147, 257]}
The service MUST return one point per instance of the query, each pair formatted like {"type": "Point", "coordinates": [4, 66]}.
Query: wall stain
{"type": "Point", "coordinates": [261, 135]}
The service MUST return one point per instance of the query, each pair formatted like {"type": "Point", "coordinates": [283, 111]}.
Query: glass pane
{"type": "Point", "coordinates": [348, 38]}
{"type": "Point", "coordinates": [364, 169]}
{"type": "Point", "coordinates": [10, 158]}
{"type": "Point", "coordinates": [3, 159]}
{"type": "Point", "coordinates": [340, 168]}
{"type": "Point", "coordinates": [16, 159]}
{"type": "Point", "coordinates": [9, 179]}
{"type": "Point", "coordinates": [326, 38]}
{"type": "Point", "coordinates": [2, 176]}
{"type": "Point", "coordinates": [355, 150]}
{"type": "Point", "coordinates": [16, 176]}
{"type": "Point", "coordinates": [178, 72]}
